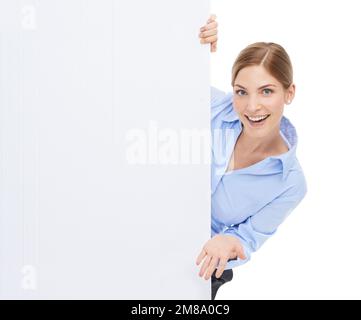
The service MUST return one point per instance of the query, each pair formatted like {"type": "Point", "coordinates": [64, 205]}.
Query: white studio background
{"type": "Point", "coordinates": [316, 252]}
{"type": "Point", "coordinates": [83, 83]}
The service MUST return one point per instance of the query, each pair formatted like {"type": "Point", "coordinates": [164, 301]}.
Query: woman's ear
{"type": "Point", "coordinates": [290, 93]}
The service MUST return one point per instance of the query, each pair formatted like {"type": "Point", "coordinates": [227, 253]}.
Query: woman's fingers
{"type": "Point", "coordinates": [209, 39]}
{"type": "Point", "coordinates": [212, 17]}
{"type": "Point", "coordinates": [206, 34]}
{"type": "Point", "coordinates": [220, 249]}
{"type": "Point", "coordinates": [212, 266]}
{"type": "Point", "coordinates": [205, 266]}
{"type": "Point", "coordinates": [200, 257]}
{"type": "Point", "coordinates": [222, 265]}
{"type": "Point", "coordinates": [240, 252]}
{"type": "Point", "coordinates": [209, 26]}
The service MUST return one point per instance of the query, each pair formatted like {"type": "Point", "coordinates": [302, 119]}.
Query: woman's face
{"type": "Point", "coordinates": [259, 95]}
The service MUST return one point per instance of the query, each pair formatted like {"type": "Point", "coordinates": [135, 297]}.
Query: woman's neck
{"type": "Point", "coordinates": [272, 144]}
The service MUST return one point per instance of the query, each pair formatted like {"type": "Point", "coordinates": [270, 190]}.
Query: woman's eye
{"type": "Point", "coordinates": [270, 91]}
{"type": "Point", "coordinates": [240, 91]}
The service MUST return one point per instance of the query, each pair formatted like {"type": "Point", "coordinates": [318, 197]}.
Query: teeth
{"type": "Point", "coordinates": [257, 118]}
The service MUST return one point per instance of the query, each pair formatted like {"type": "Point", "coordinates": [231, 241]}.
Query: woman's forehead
{"type": "Point", "coordinates": [255, 76]}
{"type": "Point", "coordinates": [253, 72]}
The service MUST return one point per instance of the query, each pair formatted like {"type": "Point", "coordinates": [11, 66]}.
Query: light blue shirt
{"type": "Point", "coordinates": [250, 203]}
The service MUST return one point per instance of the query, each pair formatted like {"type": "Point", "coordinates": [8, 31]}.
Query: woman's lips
{"type": "Point", "coordinates": [258, 123]}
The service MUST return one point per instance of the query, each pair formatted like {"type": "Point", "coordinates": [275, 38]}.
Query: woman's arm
{"type": "Point", "coordinates": [261, 226]}
{"type": "Point", "coordinates": [251, 234]}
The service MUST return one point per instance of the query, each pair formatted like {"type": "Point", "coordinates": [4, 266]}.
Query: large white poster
{"type": "Point", "coordinates": [104, 149]}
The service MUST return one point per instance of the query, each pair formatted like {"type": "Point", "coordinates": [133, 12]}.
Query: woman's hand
{"type": "Point", "coordinates": [208, 33]}
{"type": "Point", "coordinates": [220, 247]}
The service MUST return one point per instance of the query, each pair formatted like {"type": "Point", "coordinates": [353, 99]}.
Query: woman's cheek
{"type": "Point", "coordinates": [275, 106]}
{"type": "Point", "coordinates": [238, 107]}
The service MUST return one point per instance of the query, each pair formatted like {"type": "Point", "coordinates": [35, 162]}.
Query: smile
{"type": "Point", "coordinates": [257, 121]}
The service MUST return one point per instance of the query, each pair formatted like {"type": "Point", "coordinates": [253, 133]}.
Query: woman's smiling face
{"type": "Point", "coordinates": [258, 95]}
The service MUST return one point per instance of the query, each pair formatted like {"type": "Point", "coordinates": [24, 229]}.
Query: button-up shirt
{"type": "Point", "coordinates": [250, 203]}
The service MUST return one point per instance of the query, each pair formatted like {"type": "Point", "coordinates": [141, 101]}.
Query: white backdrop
{"type": "Point", "coordinates": [316, 252]}
{"type": "Point", "coordinates": [95, 99]}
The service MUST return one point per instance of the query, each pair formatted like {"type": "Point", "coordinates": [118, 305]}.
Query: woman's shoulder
{"type": "Point", "coordinates": [221, 103]}
{"type": "Point", "coordinates": [218, 96]}
{"type": "Point", "coordinates": [296, 180]}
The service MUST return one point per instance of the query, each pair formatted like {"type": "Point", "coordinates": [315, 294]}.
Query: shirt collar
{"type": "Point", "coordinates": [288, 133]}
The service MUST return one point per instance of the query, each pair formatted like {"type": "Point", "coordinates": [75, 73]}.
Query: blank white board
{"type": "Point", "coordinates": [104, 164]}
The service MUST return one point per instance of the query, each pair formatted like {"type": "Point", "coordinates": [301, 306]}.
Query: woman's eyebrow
{"type": "Point", "coordinates": [266, 85]}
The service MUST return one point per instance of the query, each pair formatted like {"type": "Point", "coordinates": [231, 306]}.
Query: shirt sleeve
{"type": "Point", "coordinates": [253, 232]}
{"type": "Point", "coordinates": [220, 100]}
{"type": "Point", "coordinates": [216, 95]}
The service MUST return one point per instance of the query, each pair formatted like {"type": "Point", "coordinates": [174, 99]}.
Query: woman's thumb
{"type": "Point", "coordinates": [240, 252]}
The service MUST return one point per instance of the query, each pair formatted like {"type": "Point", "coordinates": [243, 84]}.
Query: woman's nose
{"type": "Point", "coordinates": [253, 106]}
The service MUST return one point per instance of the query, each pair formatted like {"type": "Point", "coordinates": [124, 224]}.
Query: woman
{"type": "Point", "coordinates": [256, 178]}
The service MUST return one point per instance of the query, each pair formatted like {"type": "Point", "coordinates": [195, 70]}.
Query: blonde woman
{"type": "Point", "coordinates": [257, 179]}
